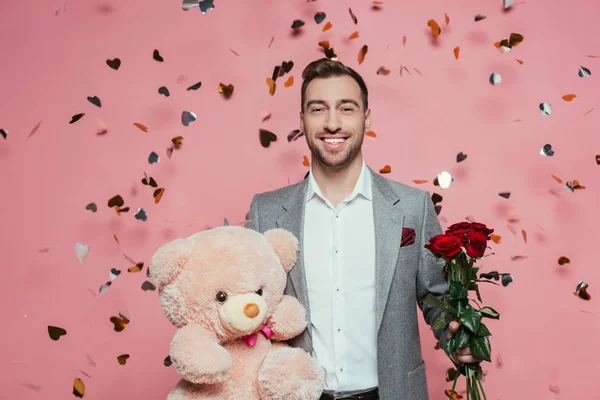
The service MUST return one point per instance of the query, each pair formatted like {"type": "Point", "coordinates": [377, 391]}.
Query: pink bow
{"type": "Point", "coordinates": [250, 340]}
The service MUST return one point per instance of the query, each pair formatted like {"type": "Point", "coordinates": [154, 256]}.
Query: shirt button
{"type": "Point", "coordinates": [337, 290]}
{"type": "Point", "coordinates": [339, 330]}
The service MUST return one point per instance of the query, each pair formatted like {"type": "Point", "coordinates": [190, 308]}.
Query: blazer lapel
{"type": "Point", "coordinates": [293, 220]}
{"type": "Point", "coordinates": [388, 217]}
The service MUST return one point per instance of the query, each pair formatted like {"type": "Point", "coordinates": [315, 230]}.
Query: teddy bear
{"type": "Point", "coordinates": [222, 289]}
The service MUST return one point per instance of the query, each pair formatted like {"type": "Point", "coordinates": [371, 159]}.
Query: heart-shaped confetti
{"type": "Point", "coordinates": [581, 291]}
{"type": "Point", "coordinates": [78, 388]}
{"type": "Point", "coordinates": [297, 24]}
{"type": "Point", "coordinates": [195, 86]}
{"type": "Point", "coordinates": [495, 78]}
{"type": "Point", "coordinates": [76, 118]}
{"type": "Point", "coordinates": [435, 28]}
{"type": "Point", "coordinates": [122, 359]}
{"type": "Point", "coordinates": [167, 362]}
{"type": "Point", "coordinates": [289, 82]}
{"type": "Point", "coordinates": [114, 273]}
{"type": "Point", "coordinates": [443, 180]}
{"type": "Point", "coordinates": [320, 17]}
{"type": "Point", "coordinates": [563, 260]}
{"type": "Point", "coordinates": [385, 170]}
{"type": "Point", "coordinates": [206, 5]}
{"type": "Point", "coordinates": [547, 150]}
{"type": "Point", "coordinates": [226, 90]}
{"type": "Point", "coordinates": [584, 72]}
{"type": "Point", "coordinates": [153, 158]}
{"type": "Point", "coordinates": [383, 71]}
{"type": "Point", "coordinates": [187, 117]}
{"type": "Point", "coordinates": [158, 194]}
{"type": "Point", "coordinates": [362, 53]}
{"type": "Point", "coordinates": [164, 91]}
{"type": "Point", "coordinates": [92, 207]}
{"type": "Point", "coordinates": [479, 17]}
{"type": "Point", "coordinates": [82, 251]}
{"type": "Point", "coordinates": [55, 332]}
{"type": "Point", "coordinates": [116, 201]}
{"type": "Point", "coordinates": [327, 26]}
{"type": "Point", "coordinates": [3, 133]}
{"type": "Point", "coordinates": [114, 64]}
{"type": "Point", "coordinates": [506, 45]}
{"type": "Point", "coordinates": [266, 137]}
{"type": "Point", "coordinates": [508, 3]}
{"type": "Point", "coordinates": [169, 152]}
{"type": "Point", "coordinates": [506, 195]}
{"type": "Point", "coordinates": [156, 55]}
{"type": "Point", "coordinates": [141, 215]}
{"type": "Point", "coordinates": [147, 285]}
{"type": "Point", "coordinates": [436, 198]}
{"type": "Point", "coordinates": [149, 181]}
{"type": "Point", "coordinates": [287, 66]}
{"type": "Point", "coordinates": [294, 135]}
{"type": "Point", "coordinates": [460, 157]}
{"type": "Point", "coordinates": [105, 287]}
{"type": "Point", "coordinates": [546, 109]}
{"type": "Point", "coordinates": [95, 101]}
{"type": "Point", "coordinates": [272, 85]}
{"type": "Point", "coordinates": [177, 141]}
{"type": "Point", "coordinates": [119, 322]}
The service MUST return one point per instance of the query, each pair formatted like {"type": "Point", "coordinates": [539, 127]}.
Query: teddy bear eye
{"type": "Point", "coordinates": [259, 292]}
{"type": "Point", "coordinates": [221, 297]}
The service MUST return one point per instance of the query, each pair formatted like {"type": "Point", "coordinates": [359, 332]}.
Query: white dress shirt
{"type": "Point", "coordinates": [339, 262]}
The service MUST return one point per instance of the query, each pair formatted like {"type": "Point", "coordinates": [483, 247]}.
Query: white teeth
{"type": "Point", "coordinates": [334, 140]}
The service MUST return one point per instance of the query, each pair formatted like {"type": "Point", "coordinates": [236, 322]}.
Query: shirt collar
{"type": "Point", "coordinates": [362, 187]}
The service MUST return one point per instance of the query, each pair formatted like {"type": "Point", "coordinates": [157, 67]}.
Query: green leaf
{"type": "Point", "coordinates": [489, 312]}
{"type": "Point", "coordinates": [483, 331]}
{"type": "Point", "coordinates": [470, 318]}
{"type": "Point", "coordinates": [459, 309]}
{"type": "Point", "coordinates": [474, 271]}
{"type": "Point", "coordinates": [452, 345]}
{"type": "Point", "coordinates": [440, 321]}
{"type": "Point", "coordinates": [432, 301]}
{"type": "Point", "coordinates": [456, 289]}
{"type": "Point", "coordinates": [480, 348]}
{"type": "Point", "coordinates": [462, 337]}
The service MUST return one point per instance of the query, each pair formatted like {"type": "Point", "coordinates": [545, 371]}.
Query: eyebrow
{"type": "Point", "coordinates": [339, 102]}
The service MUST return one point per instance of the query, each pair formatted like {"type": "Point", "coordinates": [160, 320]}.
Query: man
{"type": "Point", "coordinates": [357, 277]}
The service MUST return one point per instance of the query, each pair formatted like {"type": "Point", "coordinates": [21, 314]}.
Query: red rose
{"type": "Point", "coordinates": [447, 246]}
{"type": "Point", "coordinates": [460, 231]}
{"type": "Point", "coordinates": [477, 245]}
{"type": "Point", "coordinates": [478, 227]}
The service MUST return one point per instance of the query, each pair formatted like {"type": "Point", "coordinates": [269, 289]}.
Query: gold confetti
{"type": "Point", "coordinates": [557, 179]}
{"type": "Point", "coordinates": [272, 85]}
{"type": "Point", "coordinates": [514, 40]}
{"type": "Point", "coordinates": [435, 28]}
{"type": "Point", "coordinates": [519, 61]}
{"type": "Point", "coordinates": [116, 238]}
{"type": "Point", "coordinates": [140, 126]}
{"type": "Point", "coordinates": [563, 260]}
{"type": "Point", "coordinates": [420, 181]}
{"type": "Point", "coordinates": [234, 52]}
{"type": "Point", "coordinates": [158, 194]}
{"type": "Point", "coordinates": [456, 51]}
{"type": "Point", "coordinates": [524, 235]}
{"type": "Point", "coordinates": [177, 141]}
{"type": "Point", "coordinates": [305, 162]}
{"type": "Point", "coordinates": [362, 53]}
{"type": "Point", "coordinates": [122, 359]}
{"type": "Point", "coordinates": [383, 71]}
{"type": "Point", "coordinates": [226, 90]}
{"type": "Point", "coordinates": [327, 26]}
{"type": "Point", "coordinates": [370, 134]}
{"type": "Point", "coordinates": [447, 19]}
{"type": "Point", "coordinates": [289, 82]}
{"type": "Point", "coordinates": [495, 238]}
{"type": "Point", "coordinates": [78, 388]}
{"type": "Point", "coordinates": [593, 56]}
{"type": "Point", "coordinates": [136, 268]}
{"type": "Point", "coordinates": [569, 97]}
{"type": "Point", "coordinates": [385, 170]}
{"type": "Point", "coordinates": [271, 42]}
{"type": "Point", "coordinates": [353, 16]}
{"type": "Point", "coordinates": [119, 322]}
{"type": "Point", "coordinates": [354, 35]}
{"type": "Point", "coordinates": [35, 128]}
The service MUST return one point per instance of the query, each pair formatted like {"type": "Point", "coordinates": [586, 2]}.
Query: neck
{"type": "Point", "coordinates": [337, 183]}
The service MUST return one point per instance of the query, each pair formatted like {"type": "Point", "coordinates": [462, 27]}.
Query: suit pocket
{"type": "Point", "coordinates": [417, 383]}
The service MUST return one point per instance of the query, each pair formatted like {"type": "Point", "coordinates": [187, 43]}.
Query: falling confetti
{"type": "Point", "coordinates": [589, 111]}
{"type": "Point", "coordinates": [147, 285]}
{"type": "Point", "coordinates": [122, 359]}
{"type": "Point", "coordinates": [354, 35]}
{"type": "Point", "coordinates": [289, 82]}
{"type": "Point", "coordinates": [456, 52]}
{"type": "Point", "coordinates": [3, 133]}
{"type": "Point", "coordinates": [508, 3]}
{"type": "Point", "coordinates": [547, 150]}
{"type": "Point", "coordinates": [362, 53]}
{"type": "Point", "coordinates": [105, 287]}
{"type": "Point", "coordinates": [195, 86]}
{"type": "Point", "coordinates": [581, 291]}
{"type": "Point", "coordinates": [167, 362]}
{"type": "Point", "coordinates": [435, 28]}
{"type": "Point", "coordinates": [206, 5]}
{"type": "Point", "coordinates": [506, 45]}
{"type": "Point", "coordinates": [114, 63]}
{"type": "Point", "coordinates": [371, 134]}
{"type": "Point", "coordinates": [95, 101]}
{"type": "Point", "coordinates": [35, 128]}
{"type": "Point", "coordinates": [568, 97]}
{"type": "Point", "coordinates": [31, 386]}
{"type": "Point", "coordinates": [149, 181]}
{"type": "Point", "coordinates": [507, 279]}
{"type": "Point", "coordinates": [76, 118]}
{"type": "Point", "coordinates": [82, 251]}
{"type": "Point", "coordinates": [119, 322]}
{"type": "Point", "coordinates": [546, 109]}
{"type": "Point", "coordinates": [153, 158]}
{"type": "Point", "coordinates": [327, 26]}
{"type": "Point", "coordinates": [187, 117]}
{"type": "Point", "coordinates": [444, 179]}
{"type": "Point", "coordinates": [572, 186]}
{"type": "Point", "coordinates": [141, 127]}
{"type": "Point", "coordinates": [562, 260]}
{"type": "Point", "coordinates": [164, 91]}
{"type": "Point", "coordinates": [584, 72]}
{"type": "Point", "coordinates": [92, 207]}
{"type": "Point", "coordinates": [114, 273]}
{"type": "Point", "coordinates": [320, 17]}
{"type": "Point", "coordinates": [519, 61]}
{"type": "Point", "coordinates": [460, 157]}
{"type": "Point", "coordinates": [272, 85]}
{"type": "Point", "coordinates": [116, 201]}
{"type": "Point", "coordinates": [420, 181]}
{"type": "Point", "coordinates": [506, 195]}
{"type": "Point", "coordinates": [294, 135]}
{"type": "Point", "coordinates": [598, 159]}
{"type": "Point", "coordinates": [305, 161]}
{"type": "Point", "coordinates": [271, 42]}
{"type": "Point", "coordinates": [78, 388]}
{"type": "Point", "coordinates": [55, 332]}
{"type": "Point", "coordinates": [447, 19]}
{"type": "Point", "coordinates": [354, 19]}
{"type": "Point", "coordinates": [495, 238]}
{"type": "Point", "coordinates": [156, 55]}
{"type": "Point", "coordinates": [479, 17]}
{"type": "Point", "coordinates": [226, 90]}
{"type": "Point", "coordinates": [495, 78]}
{"type": "Point", "coordinates": [385, 170]}
{"type": "Point", "coordinates": [266, 137]}
{"type": "Point", "coordinates": [524, 233]}
{"type": "Point", "coordinates": [141, 215]}
{"type": "Point", "coordinates": [297, 24]}
{"type": "Point", "coordinates": [158, 194]}
{"type": "Point", "coordinates": [383, 71]}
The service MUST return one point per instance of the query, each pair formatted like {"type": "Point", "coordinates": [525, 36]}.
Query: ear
{"type": "Point", "coordinates": [168, 261]}
{"type": "Point", "coordinates": [285, 245]}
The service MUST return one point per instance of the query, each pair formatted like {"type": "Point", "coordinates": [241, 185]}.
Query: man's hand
{"type": "Point", "coordinates": [461, 355]}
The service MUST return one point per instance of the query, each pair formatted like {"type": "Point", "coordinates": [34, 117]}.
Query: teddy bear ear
{"type": "Point", "coordinates": [285, 245]}
{"type": "Point", "coordinates": [168, 261]}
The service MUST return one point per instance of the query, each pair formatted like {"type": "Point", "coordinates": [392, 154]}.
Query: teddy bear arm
{"type": "Point", "coordinates": [198, 357]}
{"type": "Point", "coordinates": [288, 320]}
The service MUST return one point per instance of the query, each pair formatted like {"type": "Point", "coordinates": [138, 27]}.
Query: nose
{"type": "Point", "coordinates": [251, 310]}
{"type": "Point", "coordinates": [332, 124]}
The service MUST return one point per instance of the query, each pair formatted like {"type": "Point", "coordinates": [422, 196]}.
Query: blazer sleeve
{"type": "Point", "coordinates": [429, 272]}
{"type": "Point", "coordinates": [252, 215]}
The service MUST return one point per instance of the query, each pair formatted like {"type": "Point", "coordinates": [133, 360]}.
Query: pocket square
{"type": "Point", "coordinates": [408, 237]}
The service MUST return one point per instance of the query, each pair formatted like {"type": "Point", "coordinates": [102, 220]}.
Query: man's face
{"type": "Point", "coordinates": [334, 120]}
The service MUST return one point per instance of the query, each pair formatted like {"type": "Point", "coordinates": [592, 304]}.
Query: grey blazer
{"type": "Point", "coordinates": [404, 275]}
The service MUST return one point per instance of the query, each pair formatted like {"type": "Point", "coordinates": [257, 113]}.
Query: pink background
{"type": "Point", "coordinates": [51, 61]}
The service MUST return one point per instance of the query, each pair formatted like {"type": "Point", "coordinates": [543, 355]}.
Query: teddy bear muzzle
{"type": "Point", "coordinates": [243, 314]}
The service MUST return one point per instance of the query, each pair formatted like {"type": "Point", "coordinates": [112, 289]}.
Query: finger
{"type": "Point", "coordinates": [454, 326]}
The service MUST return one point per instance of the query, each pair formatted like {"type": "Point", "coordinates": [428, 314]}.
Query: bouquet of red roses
{"type": "Point", "coordinates": [459, 248]}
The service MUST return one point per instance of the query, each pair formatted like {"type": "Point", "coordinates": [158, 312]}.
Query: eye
{"type": "Point", "coordinates": [259, 292]}
{"type": "Point", "coordinates": [221, 297]}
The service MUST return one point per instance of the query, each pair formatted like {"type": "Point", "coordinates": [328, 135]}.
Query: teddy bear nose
{"type": "Point", "coordinates": [251, 310]}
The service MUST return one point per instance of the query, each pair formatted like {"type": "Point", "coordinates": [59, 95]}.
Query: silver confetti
{"type": "Point", "coordinates": [547, 150]}
{"type": "Point", "coordinates": [546, 109]}
{"type": "Point", "coordinates": [153, 158]}
{"type": "Point", "coordinates": [82, 251]}
{"type": "Point", "coordinates": [4, 133]}
{"type": "Point", "coordinates": [508, 3]}
{"type": "Point", "coordinates": [114, 273]}
{"type": "Point", "coordinates": [141, 214]}
{"type": "Point", "coordinates": [583, 72]}
{"type": "Point", "coordinates": [495, 78]}
{"type": "Point", "coordinates": [105, 287]}
{"type": "Point", "coordinates": [204, 5]}
{"type": "Point", "coordinates": [187, 117]}
{"type": "Point", "coordinates": [506, 279]}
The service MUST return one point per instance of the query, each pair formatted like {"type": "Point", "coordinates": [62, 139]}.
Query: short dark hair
{"type": "Point", "coordinates": [325, 68]}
